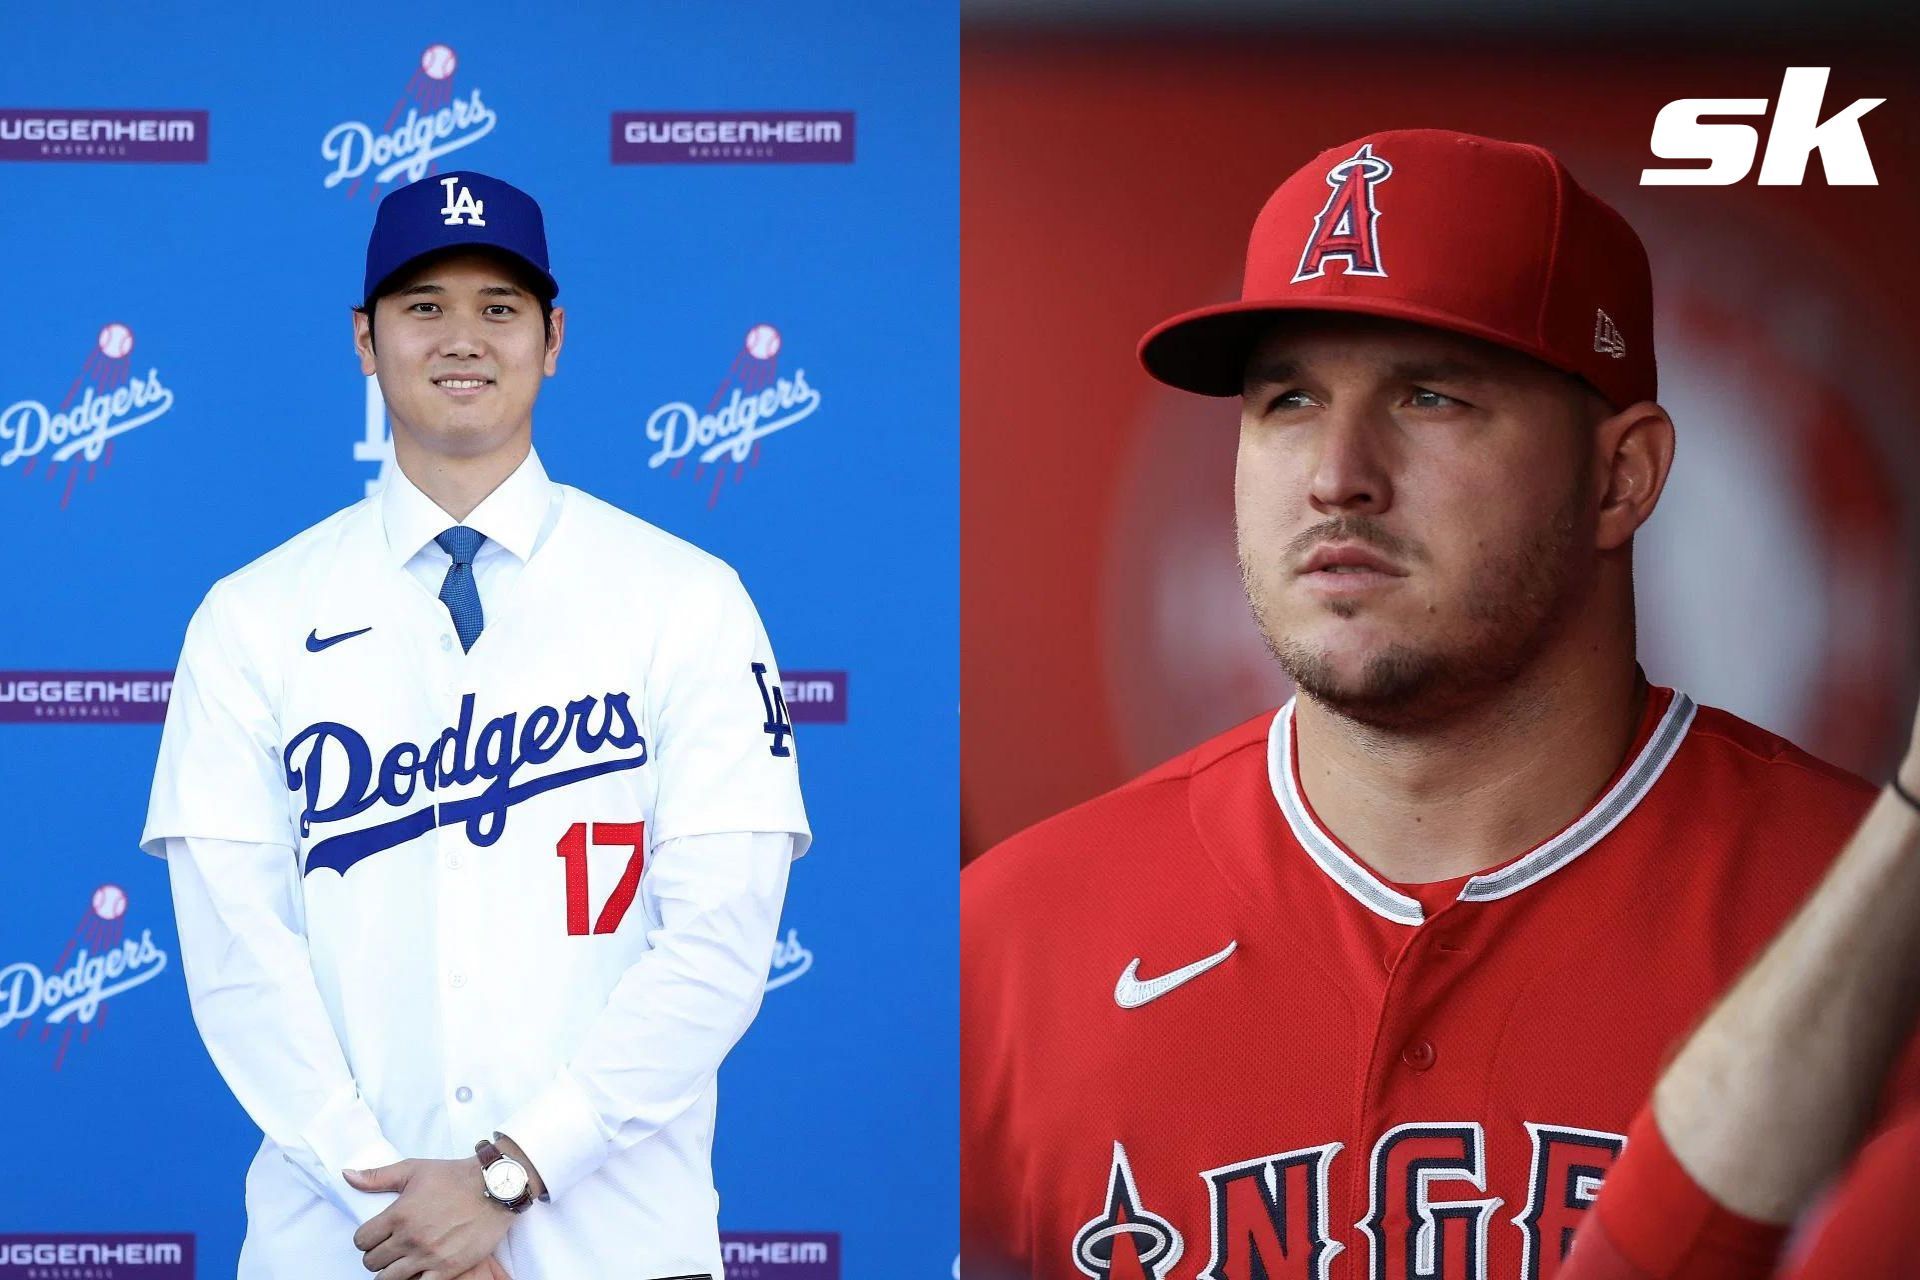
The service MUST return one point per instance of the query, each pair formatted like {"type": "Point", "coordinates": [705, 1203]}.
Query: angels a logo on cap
{"type": "Point", "coordinates": [1346, 228]}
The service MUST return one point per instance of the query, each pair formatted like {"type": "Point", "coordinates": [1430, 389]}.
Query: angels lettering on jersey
{"type": "Point", "coordinates": [1428, 1216]}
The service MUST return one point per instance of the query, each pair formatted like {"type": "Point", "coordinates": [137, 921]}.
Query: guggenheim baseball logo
{"type": "Point", "coordinates": [1680, 132]}
{"type": "Point", "coordinates": [50, 697]}
{"type": "Point", "coordinates": [98, 963]}
{"type": "Point", "coordinates": [86, 135]}
{"type": "Point", "coordinates": [105, 400]}
{"type": "Point", "coordinates": [753, 401]}
{"type": "Point", "coordinates": [93, 1255]}
{"type": "Point", "coordinates": [781, 1255]}
{"type": "Point", "coordinates": [430, 119]}
{"type": "Point", "coordinates": [733, 137]}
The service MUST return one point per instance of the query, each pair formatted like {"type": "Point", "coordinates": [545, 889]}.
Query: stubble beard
{"type": "Point", "coordinates": [1514, 603]}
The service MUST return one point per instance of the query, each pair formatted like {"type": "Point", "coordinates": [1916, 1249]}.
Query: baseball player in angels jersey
{"type": "Point", "coordinates": [478, 799]}
{"type": "Point", "coordinates": [1373, 985]}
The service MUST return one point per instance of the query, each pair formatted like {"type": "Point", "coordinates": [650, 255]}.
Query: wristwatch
{"type": "Point", "coordinates": [505, 1178]}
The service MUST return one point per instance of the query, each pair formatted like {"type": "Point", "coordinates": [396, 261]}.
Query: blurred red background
{"type": "Point", "coordinates": [1109, 180]}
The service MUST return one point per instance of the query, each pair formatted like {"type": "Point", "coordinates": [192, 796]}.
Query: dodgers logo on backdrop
{"type": "Point", "coordinates": [754, 400]}
{"type": "Point", "coordinates": [105, 400]}
{"type": "Point", "coordinates": [1347, 228]}
{"type": "Point", "coordinates": [790, 960]}
{"type": "Point", "coordinates": [98, 963]}
{"type": "Point", "coordinates": [430, 119]}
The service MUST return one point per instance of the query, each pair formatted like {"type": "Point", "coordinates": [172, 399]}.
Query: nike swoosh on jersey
{"type": "Point", "coordinates": [315, 644]}
{"type": "Point", "coordinates": [1131, 993]}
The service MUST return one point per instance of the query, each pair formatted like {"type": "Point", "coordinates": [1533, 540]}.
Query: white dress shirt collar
{"type": "Point", "coordinates": [511, 516]}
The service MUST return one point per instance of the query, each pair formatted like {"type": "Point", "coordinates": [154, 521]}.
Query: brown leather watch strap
{"type": "Point", "coordinates": [487, 1152]}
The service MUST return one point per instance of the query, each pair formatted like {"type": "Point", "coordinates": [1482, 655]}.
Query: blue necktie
{"type": "Point", "coordinates": [458, 593]}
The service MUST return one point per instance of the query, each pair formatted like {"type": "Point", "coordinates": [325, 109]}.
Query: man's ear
{"type": "Point", "coordinates": [363, 340]}
{"type": "Point", "coordinates": [1633, 456]}
{"type": "Point", "coordinates": [554, 339]}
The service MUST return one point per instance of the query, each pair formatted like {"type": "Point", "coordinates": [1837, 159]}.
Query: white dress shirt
{"type": "Point", "coordinates": [374, 986]}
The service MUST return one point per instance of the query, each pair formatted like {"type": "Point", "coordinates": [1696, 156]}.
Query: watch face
{"type": "Point", "coordinates": [506, 1180]}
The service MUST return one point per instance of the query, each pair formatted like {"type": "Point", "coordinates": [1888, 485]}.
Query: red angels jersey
{"type": "Point", "coordinates": [1203, 1041]}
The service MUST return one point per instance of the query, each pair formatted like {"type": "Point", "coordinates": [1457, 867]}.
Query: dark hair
{"type": "Point", "coordinates": [523, 277]}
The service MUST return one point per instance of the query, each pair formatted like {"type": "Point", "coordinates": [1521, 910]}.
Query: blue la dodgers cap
{"type": "Point", "coordinates": [456, 210]}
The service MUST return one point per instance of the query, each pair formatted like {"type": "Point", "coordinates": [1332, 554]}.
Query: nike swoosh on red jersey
{"type": "Point", "coordinates": [1130, 992]}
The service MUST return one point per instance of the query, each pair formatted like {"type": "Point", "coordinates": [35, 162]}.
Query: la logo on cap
{"type": "Point", "coordinates": [462, 207]}
{"type": "Point", "coordinates": [1345, 229]}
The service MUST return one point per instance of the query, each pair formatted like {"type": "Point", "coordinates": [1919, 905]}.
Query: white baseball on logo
{"type": "Point", "coordinates": [438, 61]}
{"type": "Point", "coordinates": [109, 902]}
{"type": "Point", "coordinates": [763, 342]}
{"type": "Point", "coordinates": [115, 341]}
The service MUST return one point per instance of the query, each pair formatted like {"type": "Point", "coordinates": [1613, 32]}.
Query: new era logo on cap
{"type": "Point", "coordinates": [1490, 239]}
{"type": "Point", "coordinates": [1606, 336]}
{"type": "Point", "coordinates": [452, 211]}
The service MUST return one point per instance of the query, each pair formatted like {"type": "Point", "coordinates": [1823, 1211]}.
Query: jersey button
{"type": "Point", "coordinates": [446, 644]}
{"type": "Point", "coordinates": [463, 1094]}
{"type": "Point", "coordinates": [457, 980]}
{"type": "Point", "coordinates": [1419, 1055]}
{"type": "Point", "coordinates": [453, 862]}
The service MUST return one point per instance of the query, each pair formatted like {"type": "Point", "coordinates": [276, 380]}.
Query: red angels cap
{"type": "Point", "coordinates": [1477, 236]}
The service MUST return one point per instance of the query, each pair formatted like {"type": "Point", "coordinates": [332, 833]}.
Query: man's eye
{"type": "Point", "coordinates": [1422, 398]}
{"type": "Point", "coordinates": [501, 308]}
{"type": "Point", "coordinates": [1289, 400]}
{"type": "Point", "coordinates": [418, 307]}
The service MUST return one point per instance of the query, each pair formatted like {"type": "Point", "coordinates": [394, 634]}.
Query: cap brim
{"type": "Point", "coordinates": [1205, 351]}
{"type": "Point", "coordinates": [535, 276]}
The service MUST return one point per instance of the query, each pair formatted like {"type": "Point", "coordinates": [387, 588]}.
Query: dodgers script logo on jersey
{"type": "Point", "coordinates": [1269, 1218]}
{"type": "Point", "coordinates": [98, 963]}
{"type": "Point", "coordinates": [437, 122]}
{"type": "Point", "coordinates": [105, 400]}
{"type": "Point", "coordinates": [752, 402]}
{"type": "Point", "coordinates": [506, 744]}
{"type": "Point", "coordinates": [1347, 227]}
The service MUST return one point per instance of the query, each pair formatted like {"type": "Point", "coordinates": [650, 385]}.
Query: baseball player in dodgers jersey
{"type": "Point", "coordinates": [478, 799]}
{"type": "Point", "coordinates": [1374, 985]}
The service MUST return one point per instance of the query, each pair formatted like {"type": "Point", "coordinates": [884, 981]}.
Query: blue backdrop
{"type": "Point", "coordinates": [180, 395]}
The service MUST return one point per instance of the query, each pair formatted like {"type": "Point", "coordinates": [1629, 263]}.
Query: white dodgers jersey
{"type": "Point", "coordinates": [472, 830]}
